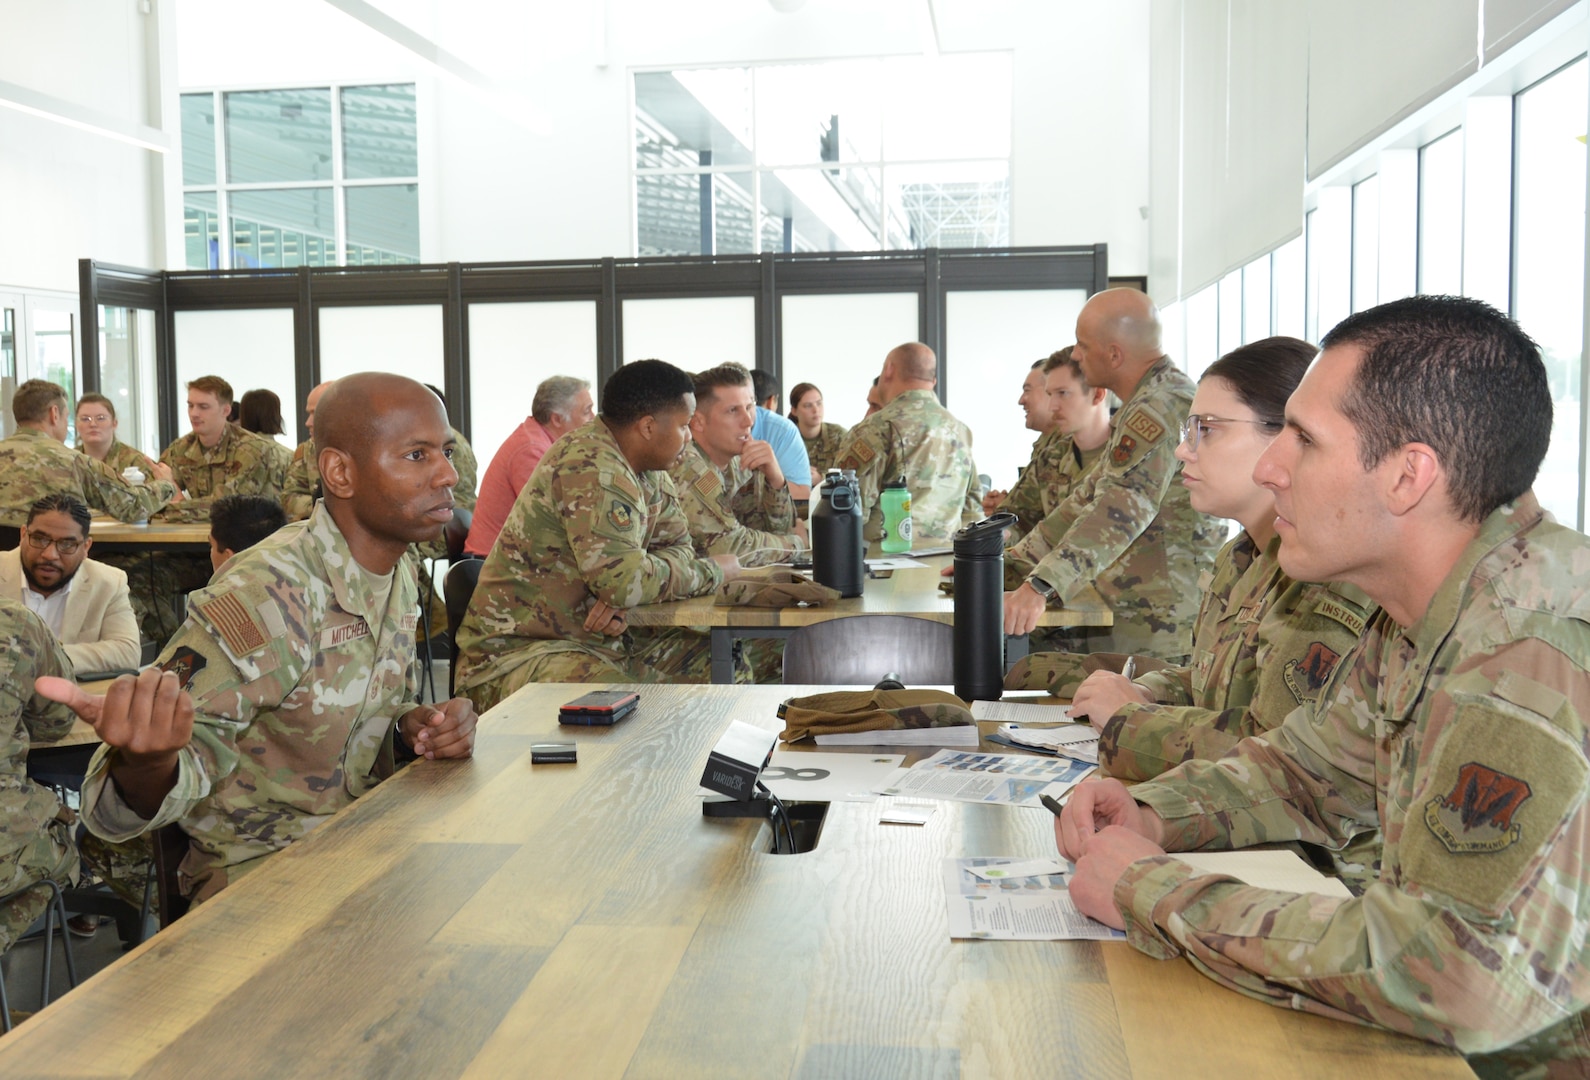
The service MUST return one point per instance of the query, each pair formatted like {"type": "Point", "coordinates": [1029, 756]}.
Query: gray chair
{"type": "Point", "coordinates": [54, 923]}
{"type": "Point", "coordinates": [862, 649]}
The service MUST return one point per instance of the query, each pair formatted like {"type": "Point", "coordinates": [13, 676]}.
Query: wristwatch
{"type": "Point", "coordinates": [1043, 588]}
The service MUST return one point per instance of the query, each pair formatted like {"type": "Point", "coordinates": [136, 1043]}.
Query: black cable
{"type": "Point", "coordinates": [779, 812]}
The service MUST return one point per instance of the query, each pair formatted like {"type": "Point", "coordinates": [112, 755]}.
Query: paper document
{"type": "Point", "coordinates": [954, 735]}
{"type": "Point", "coordinates": [984, 903]}
{"type": "Point", "coordinates": [1079, 741]}
{"type": "Point", "coordinates": [967, 776]}
{"type": "Point", "coordinates": [1282, 870]}
{"type": "Point", "coordinates": [1022, 712]}
{"type": "Point", "coordinates": [818, 777]}
{"type": "Point", "coordinates": [898, 562]}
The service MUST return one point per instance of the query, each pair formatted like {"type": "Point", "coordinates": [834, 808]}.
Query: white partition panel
{"type": "Point", "coordinates": [991, 340]}
{"type": "Point", "coordinates": [251, 348]}
{"type": "Point", "coordinates": [694, 334]}
{"type": "Point", "coordinates": [405, 339]}
{"type": "Point", "coordinates": [512, 348]}
{"type": "Point", "coordinates": [838, 344]}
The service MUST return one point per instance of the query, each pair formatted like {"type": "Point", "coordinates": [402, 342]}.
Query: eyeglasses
{"type": "Point", "coordinates": [40, 542]}
{"type": "Point", "coordinates": [100, 419]}
{"type": "Point", "coordinates": [1195, 427]}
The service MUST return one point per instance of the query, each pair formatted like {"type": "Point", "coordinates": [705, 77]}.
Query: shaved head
{"type": "Point", "coordinates": [1125, 317]}
{"type": "Point", "coordinates": [916, 362]}
{"type": "Point", "coordinates": [357, 410]}
{"type": "Point", "coordinates": [384, 446]}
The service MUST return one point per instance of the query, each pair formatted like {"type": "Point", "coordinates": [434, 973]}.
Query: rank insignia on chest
{"type": "Point", "coordinates": [708, 485]}
{"type": "Point", "coordinates": [1476, 816]}
{"type": "Point", "coordinates": [621, 516]}
{"type": "Point", "coordinates": [1123, 450]}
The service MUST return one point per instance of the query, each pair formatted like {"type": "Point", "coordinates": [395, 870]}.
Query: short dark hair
{"type": "Point", "coordinates": [261, 412]}
{"type": "Point", "coordinates": [32, 400]}
{"type": "Point", "coordinates": [1264, 373]}
{"type": "Point", "coordinates": [64, 503]}
{"type": "Point", "coordinates": [97, 399]}
{"type": "Point", "coordinates": [1063, 358]}
{"type": "Point", "coordinates": [765, 386]}
{"type": "Point", "coordinates": [214, 384]}
{"type": "Point", "coordinates": [644, 388]}
{"type": "Point", "coordinates": [1458, 375]}
{"type": "Point", "coordinates": [707, 382]}
{"type": "Point", "coordinates": [239, 522]}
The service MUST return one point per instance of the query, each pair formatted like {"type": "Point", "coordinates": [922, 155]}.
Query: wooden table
{"type": "Point", "coordinates": [495, 918]}
{"type": "Point", "coordinates": [903, 592]}
{"type": "Point", "coordinates": [109, 534]}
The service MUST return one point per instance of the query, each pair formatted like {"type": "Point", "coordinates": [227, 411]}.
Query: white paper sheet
{"type": "Point", "coordinates": [1028, 908]}
{"type": "Point", "coordinates": [968, 776]}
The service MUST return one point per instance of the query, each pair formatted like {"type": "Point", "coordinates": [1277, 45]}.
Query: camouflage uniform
{"type": "Point", "coordinates": [241, 463]}
{"type": "Point", "coordinates": [35, 830]}
{"type": "Point", "coordinates": [299, 669]}
{"type": "Point", "coordinates": [823, 449]}
{"type": "Point", "coordinates": [120, 457]}
{"type": "Point", "coordinates": [1128, 529]}
{"type": "Point", "coordinates": [33, 464]}
{"type": "Point", "coordinates": [302, 486]}
{"type": "Point", "coordinates": [1054, 470]}
{"type": "Point", "coordinates": [733, 511]}
{"type": "Point", "coordinates": [1462, 738]}
{"type": "Point", "coordinates": [281, 459]}
{"type": "Point", "coordinates": [916, 437]}
{"type": "Point", "coordinates": [586, 527]}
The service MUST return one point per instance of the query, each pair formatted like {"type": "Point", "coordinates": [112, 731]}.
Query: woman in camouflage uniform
{"type": "Point", "coordinates": [1263, 643]}
{"type": "Point", "coordinates": [822, 440]}
{"type": "Point", "coordinates": [96, 435]}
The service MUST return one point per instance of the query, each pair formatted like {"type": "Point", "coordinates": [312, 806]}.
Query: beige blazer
{"type": "Point", "coordinates": [99, 631]}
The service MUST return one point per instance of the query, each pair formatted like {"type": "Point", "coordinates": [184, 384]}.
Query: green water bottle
{"type": "Point", "coordinates": [896, 500]}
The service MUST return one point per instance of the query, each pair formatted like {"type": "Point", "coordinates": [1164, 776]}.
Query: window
{"type": "Point", "coordinates": [846, 155]}
{"type": "Point", "coordinates": [1548, 272]}
{"type": "Point", "coordinates": [1441, 215]}
{"type": "Point", "coordinates": [1366, 243]}
{"type": "Point", "coordinates": [1256, 300]}
{"type": "Point", "coordinates": [319, 176]}
{"type": "Point", "coordinates": [1201, 322]}
{"type": "Point", "coordinates": [1230, 319]}
{"type": "Point", "coordinates": [1289, 288]}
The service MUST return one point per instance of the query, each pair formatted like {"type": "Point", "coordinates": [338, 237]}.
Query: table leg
{"type": "Point", "coordinates": [723, 654]}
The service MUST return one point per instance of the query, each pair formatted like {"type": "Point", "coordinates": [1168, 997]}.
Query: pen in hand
{"type": "Point", "coordinates": [1051, 803]}
{"type": "Point", "coordinates": [1129, 668]}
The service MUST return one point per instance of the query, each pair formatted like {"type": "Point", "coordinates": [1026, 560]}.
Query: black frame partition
{"type": "Point", "coordinates": [766, 278]}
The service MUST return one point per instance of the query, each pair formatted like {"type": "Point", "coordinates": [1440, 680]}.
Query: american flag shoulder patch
{"type": "Point", "coordinates": [235, 622]}
{"type": "Point", "coordinates": [709, 484]}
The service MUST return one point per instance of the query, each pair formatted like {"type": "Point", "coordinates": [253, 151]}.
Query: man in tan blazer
{"type": "Point", "coordinates": [84, 603]}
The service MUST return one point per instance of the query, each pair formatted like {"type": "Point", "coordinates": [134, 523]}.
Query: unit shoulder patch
{"type": "Point", "coordinates": [1142, 424]}
{"type": "Point", "coordinates": [1123, 450]}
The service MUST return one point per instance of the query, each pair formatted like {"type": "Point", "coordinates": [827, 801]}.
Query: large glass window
{"type": "Point", "coordinates": [1548, 271]}
{"type": "Point", "coordinates": [1288, 286]}
{"type": "Point", "coordinates": [316, 176]}
{"type": "Point", "coordinates": [1256, 300]}
{"type": "Point", "coordinates": [1441, 215]}
{"type": "Point", "coordinates": [903, 152]}
{"type": "Point", "coordinates": [1366, 243]}
{"type": "Point", "coordinates": [1201, 315]}
{"type": "Point", "coordinates": [1230, 316]}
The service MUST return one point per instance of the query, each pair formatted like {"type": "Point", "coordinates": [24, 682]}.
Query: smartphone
{"type": "Point", "coordinates": [599, 707]}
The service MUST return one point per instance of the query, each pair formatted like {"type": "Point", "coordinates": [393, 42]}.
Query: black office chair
{"type": "Point", "coordinates": [862, 649]}
{"type": "Point", "coordinates": [457, 589]}
{"type": "Point", "coordinates": [453, 535]}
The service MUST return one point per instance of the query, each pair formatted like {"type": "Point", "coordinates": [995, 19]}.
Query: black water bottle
{"type": "Point", "coordinates": [836, 535]}
{"type": "Point", "coordinates": [980, 608]}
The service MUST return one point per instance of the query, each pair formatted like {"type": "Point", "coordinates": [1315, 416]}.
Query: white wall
{"type": "Point", "coordinates": [537, 166]}
{"type": "Point", "coordinates": [66, 192]}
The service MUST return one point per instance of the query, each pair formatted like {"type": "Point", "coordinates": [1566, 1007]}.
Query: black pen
{"type": "Point", "coordinates": [1052, 803]}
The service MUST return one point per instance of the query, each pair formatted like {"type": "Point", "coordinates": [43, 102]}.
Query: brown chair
{"type": "Point", "coordinates": [862, 649]}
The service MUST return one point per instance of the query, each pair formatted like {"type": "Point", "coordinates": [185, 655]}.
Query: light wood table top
{"type": "Point", "coordinates": [905, 592]}
{"type": "Point", "coordinates": [494, 918]}
{"type": "Point", "coordinates": [152, 534]}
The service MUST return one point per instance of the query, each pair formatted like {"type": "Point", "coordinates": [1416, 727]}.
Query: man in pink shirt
{"type": "Point", "coordinates": [562, 403]}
